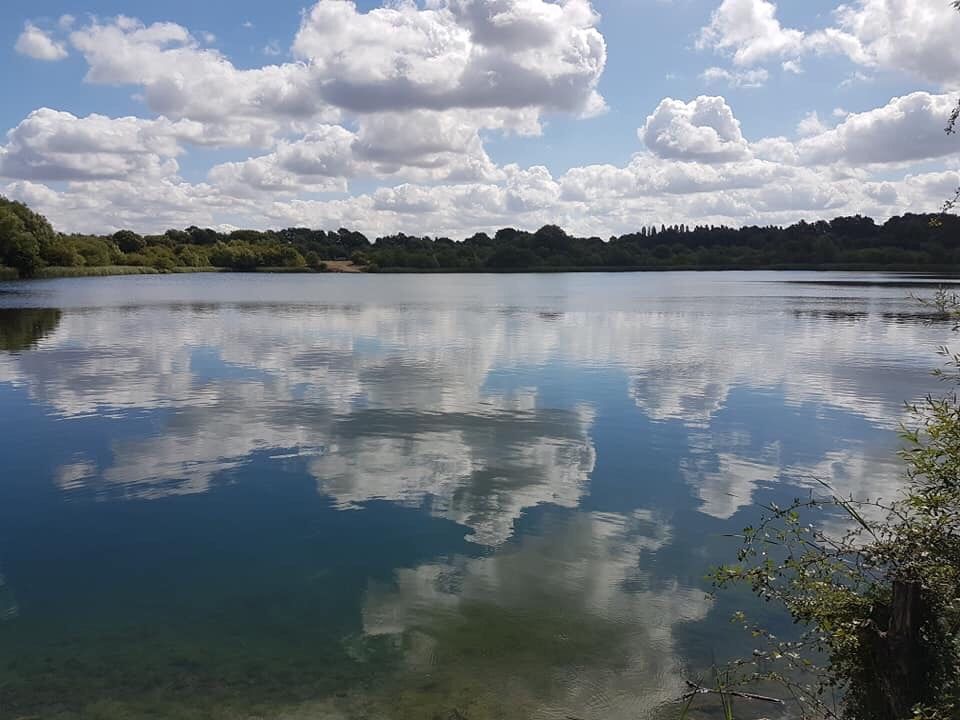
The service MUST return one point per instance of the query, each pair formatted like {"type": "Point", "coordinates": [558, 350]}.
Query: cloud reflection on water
{"type": "Point", "coordinates": [494, 411]}
{"type": "Point", "coordinates": [396, 404]}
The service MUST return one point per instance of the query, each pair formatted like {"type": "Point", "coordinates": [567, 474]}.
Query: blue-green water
{"type": "Point", "coordinates": [231, 496]}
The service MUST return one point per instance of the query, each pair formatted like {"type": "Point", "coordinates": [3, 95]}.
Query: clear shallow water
{"type": "Point", "coordinates": [415, 496]}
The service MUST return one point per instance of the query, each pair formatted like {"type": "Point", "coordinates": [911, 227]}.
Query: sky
{"type": "Point", "coordinates": [449, 117]}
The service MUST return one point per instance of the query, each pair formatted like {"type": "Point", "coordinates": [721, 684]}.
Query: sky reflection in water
{"type": "Point", "coordinates": [408, 496]}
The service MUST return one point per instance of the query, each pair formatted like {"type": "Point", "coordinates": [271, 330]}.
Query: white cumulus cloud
{"type": "Point", "coordinates": [53, 145]}
{"type": "Point", "coordinates": [756, 77]}
{"type": "Point", "coordinates": [39, 44]}
{"type": "Point", "coordinates": [914, 36]}
{"type": "Point", "coordinates": [907, 129]}
{"type": "Point", "coordinates": [750, 30]}
{"type": "Point", "coordinates": [917, 37]}
{"type": "Point", "coordinates": [704, 129]}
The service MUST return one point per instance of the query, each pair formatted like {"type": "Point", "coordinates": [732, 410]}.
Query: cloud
{"type": "Point", "coordinates": [792, 66]}
{"type": "Point", "coordinates": [749, 29]}
{"type": "Point", "coordinates": [38, 44]}
{"type": "Point", "coordinates": [902, 36]}
{"type": "Point", "coordinates": [703, 130]}
{"type": "Point", "coordinates": [53, 145]}
{"type": "Point", "coordinates": [457, 54]}
{"type": "Point", "coordinates": [477, 64]}
{"type": "Point", "coordinates": [424, 146]}
{"type": "Point", "coordinates": [811, 124]}
{"type": "Point", "coordinates": [427, 145]}
{"type": "Point", "coordinates": [494, 55]}
{"type": "Point", "coordinates": [907, 129]}
{"type": "Point", "coordinates": [741, 78]}
{"type": "Point", "coordinates": [695, 166]}
{"type": "Point", "coordinates": [591, 200]}
{"type": "Point", "coordinates": [913, 36]}
{"type": "Point", "coordinates": [319, 161]}
{"type": "Point", "coordinates": [182, 80]}
{"type": "Point", "coordinates": [854, 78]}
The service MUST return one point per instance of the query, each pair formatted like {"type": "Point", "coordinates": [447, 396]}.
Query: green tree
{"type": "Point", "coordinates": [191, 256]}
{"type": "Point", "coordinates": [237, 256]}
{"type": "Point", "coordinates": [129, 241]}
{"type": "Point", "coordinates": [23, 234]}
{"type": "Point", "coordinates": [161, 258]}
{"type": "Point", "coordinates": [95, 251]}
{"type": "Point", "coordinates": [359, 258]}
{"type": "Point", "coordinates": [63, 254]}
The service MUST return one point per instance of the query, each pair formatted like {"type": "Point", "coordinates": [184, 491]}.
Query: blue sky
{"type": "Point", "coordinates": [472, 114]}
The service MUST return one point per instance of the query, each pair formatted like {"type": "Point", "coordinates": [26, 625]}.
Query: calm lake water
{"type": "Point", "coordinates": [416, 497]}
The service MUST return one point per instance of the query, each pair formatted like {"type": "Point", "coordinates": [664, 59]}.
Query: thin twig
{"type": "Point", "coordinates": [700, 690]}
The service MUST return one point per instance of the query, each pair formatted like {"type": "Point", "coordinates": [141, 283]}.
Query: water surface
{"type": "Point", "coordinates": [443, 496]}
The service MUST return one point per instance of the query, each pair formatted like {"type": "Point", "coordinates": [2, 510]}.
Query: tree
{"type": "Point", "coordinates": [882, 601]}
{"type": "Point", "coordinates": [23, 233]}
{"type": "Point", "coordinates": [128, 241]}
{"type": "Point", "coordinates": [314, 262]}
{"type": "Point", "coordinates": [190, 256]}
{"type": "Point", "coordinates": [359, 258]}
{"type": "Point", "coordinates": [95, 251]}
{"type": "Point", "coordinates": [64, 254]}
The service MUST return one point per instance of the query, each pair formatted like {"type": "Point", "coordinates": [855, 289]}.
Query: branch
{"type": "Point", "coordinates": [700, 690]}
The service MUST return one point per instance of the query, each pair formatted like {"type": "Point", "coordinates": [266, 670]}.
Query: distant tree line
{"type": "Point", "coordinates": [910, 240]}
{"type": "Point", "coordinates": [29, 243]}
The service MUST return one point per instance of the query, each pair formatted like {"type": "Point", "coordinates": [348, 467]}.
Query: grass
{"type": "Point", "coordinates": [93, 271]}
{"type": "Point", "coordinates": [51, 272]}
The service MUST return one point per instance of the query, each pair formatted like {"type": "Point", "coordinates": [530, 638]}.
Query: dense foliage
{"type": "Point", "coordinates": [908, 240]}
{"type": "Point", "coordinates": [25, 237]}
{"type": "Point", "coordinates": [879, 603]}
{"type": "Point", "coordinates": [29, 243]}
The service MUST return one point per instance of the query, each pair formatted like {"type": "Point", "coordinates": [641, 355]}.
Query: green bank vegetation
{"type": "Point", "coordinates": [30, 246]}
{"type": "Point", "coordinates": [879, 603]}
{"type": "Point", "coordinates": [53, 271]}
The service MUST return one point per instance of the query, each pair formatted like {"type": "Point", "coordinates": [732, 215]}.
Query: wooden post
{"type": "Point", "coordinates": [901, 667]}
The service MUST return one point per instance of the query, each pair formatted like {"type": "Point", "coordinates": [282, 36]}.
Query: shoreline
{"type": "Point", "coordinates": [57, 273]}
{"type": "Point", "coordinates": [337, 267]}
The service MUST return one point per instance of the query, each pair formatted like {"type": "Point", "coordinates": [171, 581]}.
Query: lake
{"type": "Point", "coordinates": [459, 497]}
